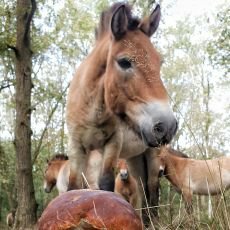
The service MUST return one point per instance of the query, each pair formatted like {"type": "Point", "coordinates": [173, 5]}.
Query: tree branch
{"type": "Point", "coordinates": [29, 19]}
{"type": "Point", "coordinates": [6, 86]}
{"type": "Point", "coordinates": [37, 150]}
{"type": "Point", "coordinates": [13, 48]}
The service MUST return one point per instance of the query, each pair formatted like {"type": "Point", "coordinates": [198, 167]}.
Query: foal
{"type": "Point", "coordinates": [190, 176]}
{"type": "Point", "coordinates": [117, 97]}
{"type": "Point", "coordinates": [126, 185]}
{"type": "Point", "coordinates": [58, 172]}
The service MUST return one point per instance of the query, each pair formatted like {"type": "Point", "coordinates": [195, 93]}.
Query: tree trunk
{"type": "Point", "coordinates": [26, 209]}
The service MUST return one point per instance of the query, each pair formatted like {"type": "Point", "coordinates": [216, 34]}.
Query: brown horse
{"type": "Point", "coordinates": [58, 172]}
{"type": "Point", "coordinates": [117, 102]}
{"type": "Point", "coordinates": [126, 185]}
{"type": "Point", "coordinates": [190, 176]}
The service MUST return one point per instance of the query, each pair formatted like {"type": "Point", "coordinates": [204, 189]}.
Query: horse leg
{"type": "Point", "coordinates": [93, 169]}
{"type": "Point", "coordinates": [153, 181]}
{"type": "Point", "coordinates": [137, 169]}
{"type": "Point", "coordinates": [187, 196]}
{"type": "Point", "coordinates": [110, 156]}
{"type": "Point", "coordinates": [77, 159]}
{"type": "Point", "coordinates": [136, 202]}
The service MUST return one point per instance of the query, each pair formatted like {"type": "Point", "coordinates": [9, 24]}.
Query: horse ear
{"type": "Point", "coordinates": [119, 22]}
{"type": "Point", "coordinates": [151, 23]}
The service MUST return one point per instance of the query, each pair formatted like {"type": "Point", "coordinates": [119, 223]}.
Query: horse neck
{"type": "Point", "coordinates": [97, 61]}
{"type": "Point", "coordinates": [171, 167]}
{"type": "Point", "coordinates": [58, 166]}
{"type": "Point", "coordinates": [98, 58]}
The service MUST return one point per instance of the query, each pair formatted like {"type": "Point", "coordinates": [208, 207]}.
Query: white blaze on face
{"type": "Point", "coordinates": [123, 171]}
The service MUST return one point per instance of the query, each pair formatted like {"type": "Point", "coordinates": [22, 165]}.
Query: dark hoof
{"type": "Point", "coordinates": [71, 187]}
{"type": "Point", "coordinates": [107, 182]}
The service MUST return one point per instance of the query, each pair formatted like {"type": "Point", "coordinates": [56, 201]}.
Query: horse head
{"type": "Point", "coordinates": [133, 88]}
{"type": "Point", "coordinates": [123, 169]}
{"type": "Point", "coordinates": [51, 171]}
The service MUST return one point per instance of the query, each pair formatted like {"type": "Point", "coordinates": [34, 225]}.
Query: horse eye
{"type": "Point", "coordinates": [124, 63]}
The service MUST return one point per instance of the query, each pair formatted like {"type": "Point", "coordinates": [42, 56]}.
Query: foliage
{"type": "Point", "coordinates": [208, 213]}
{"type": "Point", "coordinates": [219, 46]}
{"type": "Point", "coordinates": [62, 35]}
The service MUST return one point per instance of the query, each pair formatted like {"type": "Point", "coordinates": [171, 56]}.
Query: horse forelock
{"type": "Point", "coordinates": [61, 157]}
{"type": "Point", "coordinates": [105, 19]}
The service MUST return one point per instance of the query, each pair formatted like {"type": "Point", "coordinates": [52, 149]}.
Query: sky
{"type": "Point", "coordinates": [194, 7]}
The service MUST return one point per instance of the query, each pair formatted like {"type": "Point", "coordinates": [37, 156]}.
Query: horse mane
{"type": "Point", "coordinates": [105, 19]}
{"type": "Point", "coordinates": [60, 157]}
{"type": "Point", "coordinates": [177, 153]}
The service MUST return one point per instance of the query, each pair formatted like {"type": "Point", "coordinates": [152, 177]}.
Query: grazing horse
{"type": "Point", "coordinates": [126, 185]}
{"type": "Point", "coordinates": [58, 172]}
{"type": "Point", "coordinates": [117, 102]}
{"type": "Point", "coordinates": [190, 176]}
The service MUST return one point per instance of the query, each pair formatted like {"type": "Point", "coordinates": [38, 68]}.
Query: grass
{"type": "Point", "coordinates": [211, 213]}
{"type": "Point", "coordinates": [172, 214]}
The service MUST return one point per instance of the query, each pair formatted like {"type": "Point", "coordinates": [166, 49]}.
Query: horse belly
{"type": "Point", "coordinates": [207, 187]}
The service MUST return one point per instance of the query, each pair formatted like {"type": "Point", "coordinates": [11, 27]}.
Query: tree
{"type": "Point", "coordinates": [219, 45]}
{"type": "Point", "coordinates": [26, 209]}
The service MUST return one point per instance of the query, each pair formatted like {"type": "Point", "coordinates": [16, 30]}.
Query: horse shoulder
{"type": "Point", "coordinates": [179, 173]}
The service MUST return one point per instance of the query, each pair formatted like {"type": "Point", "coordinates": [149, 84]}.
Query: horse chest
{"type": "Point", "coordinates": [96, 136]}
{"type": "Point", "coordinates": [131, 144]}
{"type": "Point", "coordinates": [126, 192]}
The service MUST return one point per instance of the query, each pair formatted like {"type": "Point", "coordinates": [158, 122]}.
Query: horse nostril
{"type": "Point", "coordinates": [159, 130]}
{"type": "Point", "coordinates": [124, 176]}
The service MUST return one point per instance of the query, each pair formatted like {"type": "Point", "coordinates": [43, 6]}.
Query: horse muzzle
{"type": "Point", "coordinates": [47, 190]}
{"type": "Point", "coordinates": [161, 173]}
{"type": "Point", "coordinates": [124, 175]}
{"type": "Point", "coordinates": [47, 187]}
{"type": "Point", "coordinates": [157, 125]}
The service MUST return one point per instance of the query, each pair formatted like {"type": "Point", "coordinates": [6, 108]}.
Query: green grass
{"type": "Point", "coordinates": [172, 214]}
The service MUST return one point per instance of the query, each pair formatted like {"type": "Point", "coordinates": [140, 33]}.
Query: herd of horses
{"type": "Point", "coordinates": [119, 120]}
{"type": "Point", "coordinates": [187, 175]}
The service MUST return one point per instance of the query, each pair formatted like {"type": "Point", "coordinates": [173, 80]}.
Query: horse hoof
{"type": "Point", "coordinates": [107, 182]}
